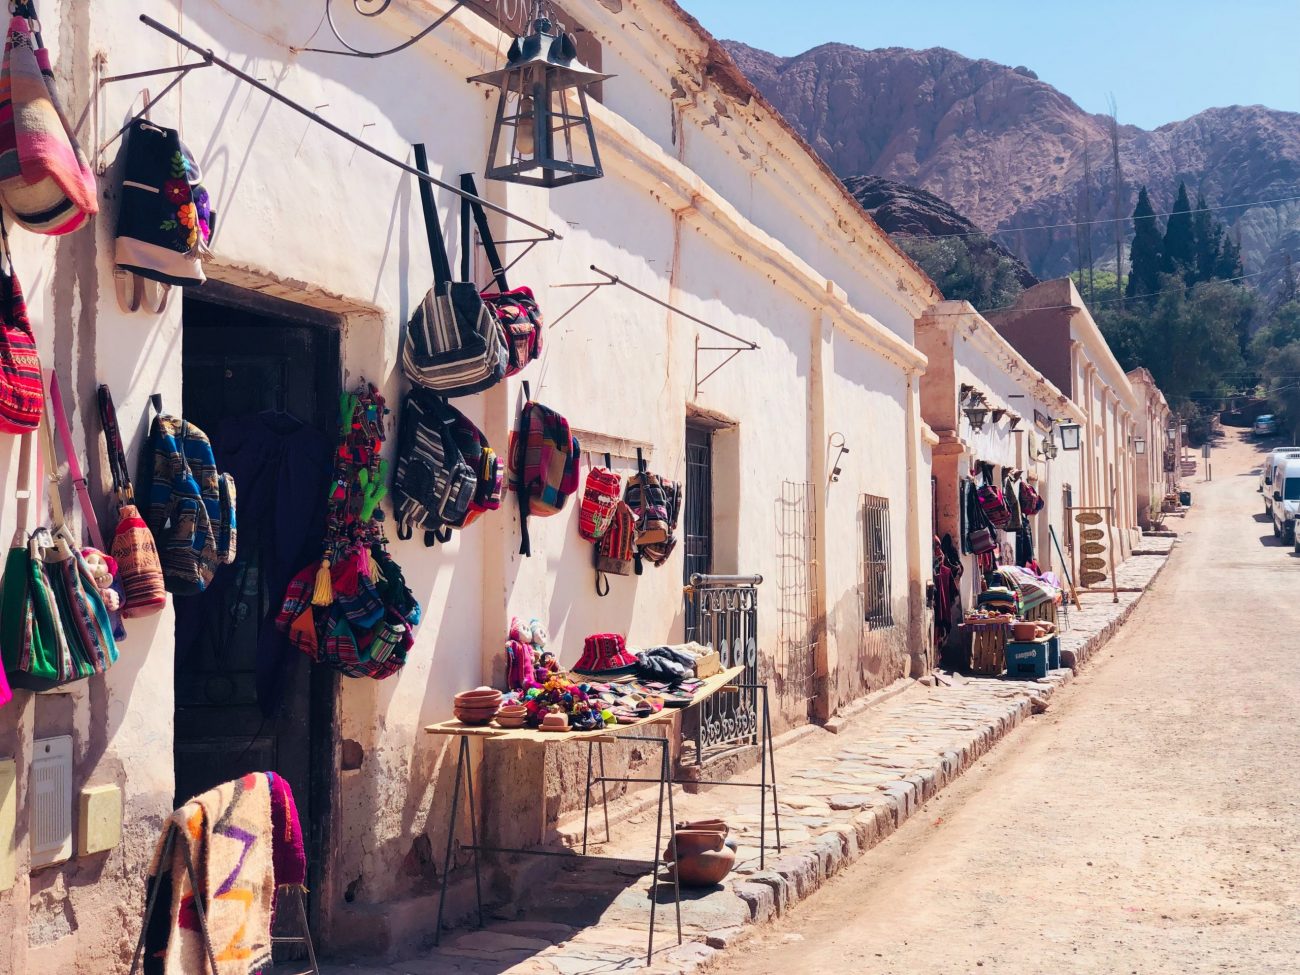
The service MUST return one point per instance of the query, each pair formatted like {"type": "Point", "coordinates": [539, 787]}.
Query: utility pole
{"type": "Point", "coordinates": [1119, 203]}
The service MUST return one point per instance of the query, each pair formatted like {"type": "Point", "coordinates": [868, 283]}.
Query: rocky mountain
{"type": "Point", "coordinates": [1008, 150]}
{"type": "Point", "coordinates": [907, 212]}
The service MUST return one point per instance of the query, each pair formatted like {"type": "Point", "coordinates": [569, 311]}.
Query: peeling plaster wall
{"type": "Point", "coordinates": [305, 216]}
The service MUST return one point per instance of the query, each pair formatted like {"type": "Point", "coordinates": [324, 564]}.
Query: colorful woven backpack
{"type": "Point", "coordinates": [616, 550]}
{"type": "Point", "coordinates": [995, 507]}
{"type": "Point", "coordinates": [599, 499]}
{"type": "Point", "coordinates": [22, 391]}
{"type": "Point", "coordinates": [191, 509]}
{"type": "Point", "coordinates": [543, 465]}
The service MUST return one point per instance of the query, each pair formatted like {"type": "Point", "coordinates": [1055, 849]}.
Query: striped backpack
{"type": "Point", "coordinates": [543, 465]}
{"type": "Point", "coordinates": [191, 506]}
{"type": "Point", "coordinates": [656, 502]}
{"type": "Point", "coordinates": [994, 505]}
{"type": "Point", "coordinates": [616, 550]}
{"type": "Point", "coordinates": [453, 344]}
{"type": "Point", "coordinates": [434, 483]}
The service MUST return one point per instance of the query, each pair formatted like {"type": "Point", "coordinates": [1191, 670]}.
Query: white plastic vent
{"type": "Point", "coordinates": [51, 823]}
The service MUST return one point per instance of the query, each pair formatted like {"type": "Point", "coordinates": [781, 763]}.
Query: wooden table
{"type": "Point", "coordinates": [724, 682]}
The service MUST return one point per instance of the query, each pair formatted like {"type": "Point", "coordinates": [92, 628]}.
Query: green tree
{"type": "Point", "coordinates": [1207, 239]}
{"type": "Point", "coordinates": [965, 271]}
{"type": "Point", "coordinates": [1282, 329]}
{"type": "Point", "coordinates": [1180, 245]}
{"type": "Point", "coordinates": [1191, 338]}
{"type": "Point", "coordinates": [1228, 267]}
{"type": "Point", "coordinates": [1125, 332]}
{"type": "Point", "coordinates": [1146, 253]}
{"type": "Point", "coordinates": [1280, 368]}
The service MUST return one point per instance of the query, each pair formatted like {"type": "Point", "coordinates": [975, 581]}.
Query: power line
{"type": "Point", "coordinates": [1088, 223]}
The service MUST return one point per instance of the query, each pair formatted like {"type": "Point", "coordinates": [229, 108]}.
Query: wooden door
{"type": "Point", "coordinates": [242, 363]}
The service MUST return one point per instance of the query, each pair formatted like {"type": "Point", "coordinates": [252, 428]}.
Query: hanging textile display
{"type": "Point", "coordinates": [656, 503]}
{"type": "Point", "coordinates": [54, 627]}
{"type": "Point", "coordinates": [352, 610]}
{"type": "Point", "coordinates": [544, 462]}
{"type": "Point", "coordinates": [46, 183]}
{"type": "Point", "coordinates": [164, 221]}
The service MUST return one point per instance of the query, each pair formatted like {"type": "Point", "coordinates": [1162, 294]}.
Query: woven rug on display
{"type": "Point", "coordinates": [228, 834]}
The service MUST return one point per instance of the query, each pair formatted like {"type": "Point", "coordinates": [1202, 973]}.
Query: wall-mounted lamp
{"type": "Point", "coordinates": [976, 410]}
{"type": "Point", "coordinates": [1140, 445]}
{"type": "Point", "coordinates": [1049, 448]}
{"type": "Point", "coordinates": [838, 443]}
{"type": "Point", "coordinates": [1070, 435]}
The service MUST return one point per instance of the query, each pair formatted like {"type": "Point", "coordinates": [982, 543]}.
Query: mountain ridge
{"type": "Point", "coordinates": [1007, 149]}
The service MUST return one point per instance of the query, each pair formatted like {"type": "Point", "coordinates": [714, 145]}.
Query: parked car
{"type": "Point", "coordinates": [1266, 425]}
{"type": "Point", "coordinates": [1266, 473]}
{"type": "Point", "coordinates": [1286, 499]}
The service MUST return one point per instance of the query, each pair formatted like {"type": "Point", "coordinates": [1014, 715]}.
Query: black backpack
{"type": "Point", "coordinates": [434, 483]}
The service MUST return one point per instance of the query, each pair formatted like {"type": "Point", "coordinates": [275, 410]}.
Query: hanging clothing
{"type": "Point", "coordinates": [1025, 545]}
{"type": "Point", "coordinates": [282, 467]}
{"type": "Point", "coordinates": [973, 516]}
{"type": "Point", "coordinates": [1011, 496]}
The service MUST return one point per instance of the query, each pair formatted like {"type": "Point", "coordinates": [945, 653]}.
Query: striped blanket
{"type": "Point", "coordinates": [1034, 590]}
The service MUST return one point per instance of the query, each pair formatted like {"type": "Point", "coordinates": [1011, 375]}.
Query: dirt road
{"type": "Point", "coordinates": [1148, 823]}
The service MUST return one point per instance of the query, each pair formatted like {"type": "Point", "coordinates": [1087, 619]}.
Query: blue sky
{"type": "Point", "coordinates": [1163, 60]}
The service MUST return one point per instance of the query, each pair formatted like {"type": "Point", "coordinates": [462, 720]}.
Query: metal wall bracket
{"type": "Point", "coordinates": [354, 52]}
{"type": "Point", "coordinates": [209, 58]}
{"type": "Point", "coordinates": [744, 345]}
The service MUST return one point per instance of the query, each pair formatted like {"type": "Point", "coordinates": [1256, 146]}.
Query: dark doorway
{"type": "Point", "coordinates": [698, 514]}
{"type": "Point", "coordinates": [247, 361]}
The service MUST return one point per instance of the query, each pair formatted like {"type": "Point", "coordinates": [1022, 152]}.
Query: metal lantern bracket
{"type": "Point", "coordinates": [745, 345]}
{"type": "Point", "coordinates": [354, 52]}
{"type": "Point", "coordinates": [211, 59]}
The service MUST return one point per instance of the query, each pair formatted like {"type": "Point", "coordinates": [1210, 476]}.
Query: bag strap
{"type": "Point", "coordinates": [52, 474]}
{"type": "Point", "coordinates": [521, 486]}
{"type": "Point", "coordinates": [437, 246]}
{"type": "Point", "coordinates": [24, 489]}
{"type": "Point", "coordinates": [74, 465]}
{"type": "Point", "coordinates": [116, 452]}
{"type": "Point", "coordinates": [470, 205]}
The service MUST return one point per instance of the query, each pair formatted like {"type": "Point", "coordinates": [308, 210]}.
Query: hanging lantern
{"type": "Point", "coordinates": [1070, 436]}
{"type": "Point", "coordinates": [542, 134]}
{"type": "Point", "coordinates": [976, 410]}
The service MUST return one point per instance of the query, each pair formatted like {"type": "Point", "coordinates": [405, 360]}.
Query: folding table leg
{"type": "Point", "coordinates": [771, 760]}
{"type": "Point", "coordinates": [586, 800]}
{"type": "Point", "coordinates": [672, 827]}
{"type": "Point", "coordinates": [659, 832]}
{"type": "Point", "coordinates": [604, 787]}
{"type": "Point", "coordinates": [461, 755]}
{"type": "Point", "coordinates": [306, 932]}
{"type": "Point", "coordinates": [473, 831]}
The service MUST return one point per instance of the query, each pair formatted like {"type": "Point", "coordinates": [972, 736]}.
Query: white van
{"type": "Point", "coordinates": [1286, 499]}
{"type": "Point", "coordinates": [1266, 473]}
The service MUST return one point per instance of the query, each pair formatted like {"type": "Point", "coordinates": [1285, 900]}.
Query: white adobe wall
{"type": "Point", "coordinates": [303, 212]}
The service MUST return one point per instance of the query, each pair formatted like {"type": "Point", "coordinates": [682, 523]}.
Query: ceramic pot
{"type": "Point", "coordinates": [705, 869]}
{"type": "Point", "coordinates": [479, 697]}
{"type": "Point", "coordinates": [475, 717]}
{"type": "Point", "coordinates": [1025, 631]}
{"type": "Point", "coordinates": [686, 843]}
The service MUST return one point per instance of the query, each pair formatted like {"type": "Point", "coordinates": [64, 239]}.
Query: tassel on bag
{"type": "Point", "coordinates": [323, 593]}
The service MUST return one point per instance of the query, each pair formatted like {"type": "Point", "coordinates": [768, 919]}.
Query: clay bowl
{"type": "Point", "coordinates": [1025, 631]}
{"type": "Point", "coordinates": [479, 698]}
{"type": "Point", "coordinates": [511, 722]}
{"type": "Point", "coordinates": [705, 869]}
{"type": "Point", "coordinates": [474, 717]}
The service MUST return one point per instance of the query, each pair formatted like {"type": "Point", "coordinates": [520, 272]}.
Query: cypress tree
{"type": "Point", "coordinates": [1145, 255]}
{"type": "Point", "coordinates": [1207, 235]}
{"type": "Point", "coordinates": [1228, 265]}
{"type": "Point", "coordinates": [1180, 246]}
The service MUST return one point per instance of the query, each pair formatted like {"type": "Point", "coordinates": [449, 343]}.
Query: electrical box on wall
{"type": "Point", "coordinates": [8, 821]}
{"type": "Point", "coordinates": [51, 801]}
{"type": "Point", "coordinates": [99, 825]}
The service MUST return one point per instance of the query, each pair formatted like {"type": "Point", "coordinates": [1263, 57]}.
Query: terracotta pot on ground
{"type": "Point", "coordinates": [694, 843]}
{"type": "Point", "coordinates": [705, 869]}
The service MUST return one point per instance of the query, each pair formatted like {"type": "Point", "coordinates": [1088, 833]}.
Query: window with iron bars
{"type": "Point", "coordinates": [876, 569]}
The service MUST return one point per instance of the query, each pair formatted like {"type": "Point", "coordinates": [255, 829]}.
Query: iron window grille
{"type": "Point", "coordinates": [876, 568]}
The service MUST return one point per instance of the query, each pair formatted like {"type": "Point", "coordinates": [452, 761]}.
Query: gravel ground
{"type": "Point", "coordinates": [1148, 823]}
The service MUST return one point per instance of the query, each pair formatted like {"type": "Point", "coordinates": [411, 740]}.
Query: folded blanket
{"type": "Point", "coordinates": [227, 834]}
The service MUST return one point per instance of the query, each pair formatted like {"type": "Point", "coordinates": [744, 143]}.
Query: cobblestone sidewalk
{"type": "Point", "coordinates": [841, 794]}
